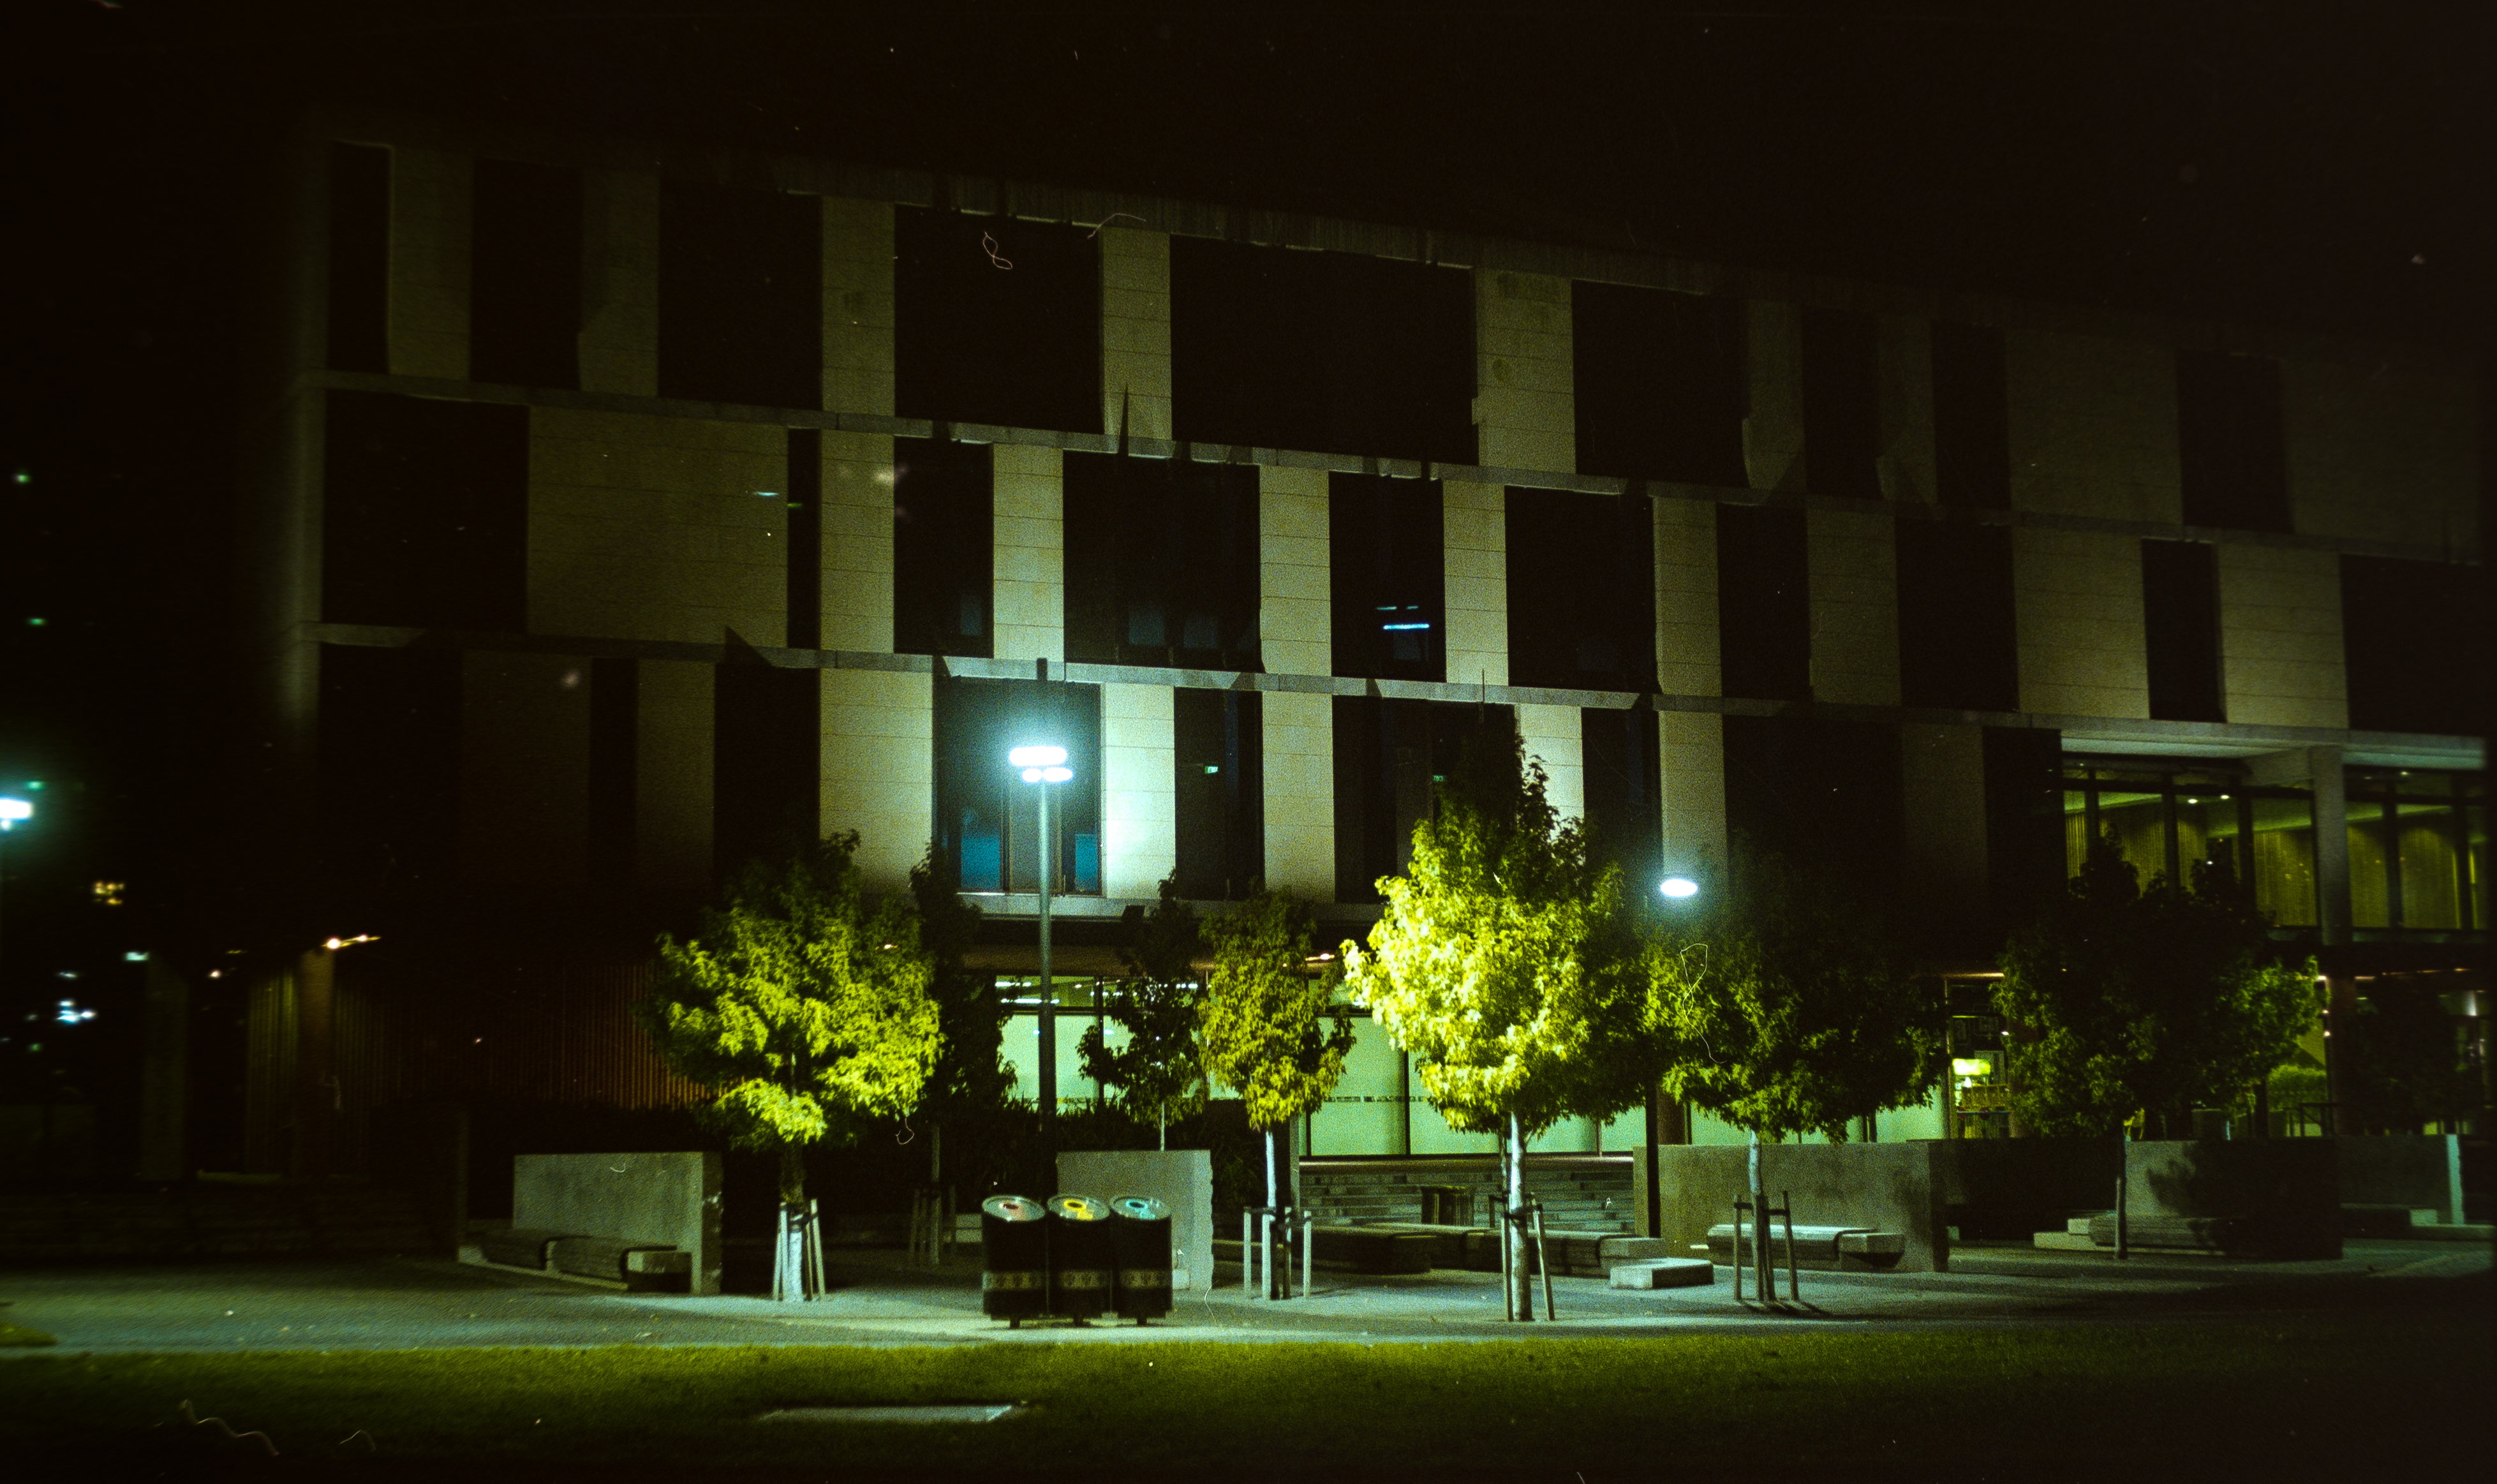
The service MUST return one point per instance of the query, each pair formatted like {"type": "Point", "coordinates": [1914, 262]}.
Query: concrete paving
{"type": "Point", "coordinates": [436, 1303]}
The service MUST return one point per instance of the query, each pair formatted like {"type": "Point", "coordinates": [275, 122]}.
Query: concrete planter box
{"type": "Point", "coordinates": [2259, 1197]}
{"type": "Point", "coordinates": [1883, 1188]}
{"type": "Point", "coordinates": [1182, 1179]}
{"type": "Point", "coordinates": [664, 1200]}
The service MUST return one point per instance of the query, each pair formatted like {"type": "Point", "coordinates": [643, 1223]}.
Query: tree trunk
{"type": "Point", "coordinates": [1761, 1269]}
{"type": "Point", "coordinates": [1266, 1223]}
{"type": "Point", "coordinates": [789, 1277]}
{"type": "Point", "coordinates": [1513, 1233]}
{"type": "Point", "coordinates": [1161, 1128]}
{"type": "Point", "coordinates": [793, 1176]}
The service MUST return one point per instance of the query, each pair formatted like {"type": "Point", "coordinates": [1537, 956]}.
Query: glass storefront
{"type": "Point", "coordinates": [2418, 850]}
{"type": "Point", "coordinates": [2169, 821]}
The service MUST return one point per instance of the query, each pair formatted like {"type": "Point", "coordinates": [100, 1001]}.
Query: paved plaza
{"type": "Point", "coordinates": [436, 1303]}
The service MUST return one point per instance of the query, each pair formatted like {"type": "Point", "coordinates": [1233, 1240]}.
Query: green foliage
{"type": "Point", "coordinates": [1259, 1023]}
{"type": "Point", "coordinates": [801, 1008]}
{"type": "Point", "coordinates": [2121, 1000]}
{"type": "Point", "coordinates": [971, 1079]}
{"type": "Point", "coordinates": [1506, 964]}
{"type": "Point", "coordinates": [2402, 1062]}
{"type": "Point", "coordinates": [1797, 1012]}
{"type": "Point", "coordinates": [1160, 1071]}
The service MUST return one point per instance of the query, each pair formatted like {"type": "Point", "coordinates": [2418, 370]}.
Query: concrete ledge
{"type": "Point", "coordinates": [522, 1246]}
{"type": "Point", "coordinates": [1664, 1273]}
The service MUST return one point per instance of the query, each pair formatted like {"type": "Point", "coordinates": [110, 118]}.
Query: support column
{"type": "Point", "coordinates": [1030, 553]}
{"type": "Point", "coordinates": [858, 307]}
{"type": "Point", "coordinates": [1135, 332]}
{"type": "Point", "coordinates": [1904, 352]}
{"type": "Point", "coordinates": [1139, 793]}
{"type": "Point", "coordinates": [1689, 659]}
{"type": "Point", "coordinates": [878, 768]}
{"type": "Point", "coordinates": [428, 263]}
{"type": "Point", "coordinates": [1525, 401]}
{"type": "Point", "coordinates": [1300, 792]}
{"type": "Point", "coordinates": [1853, 582]}
{"type": "Point", "coordinates": [857, 526]}
{"type": "Point", "coordinates": [1475, 551]}
{"type": "Point", "coordinates": [1691, 751]}
{"type": "Point", "coordinates": [1294, 630]}
{"type": "Point", "coordinates": [1773, 429]}
{"type": "Point", "coordinates": [1555, 737]}
{"type": "Point", "coordinates": [619, 282]}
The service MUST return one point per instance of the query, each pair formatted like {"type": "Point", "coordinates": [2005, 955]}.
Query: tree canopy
{"type": "Point", "coordinates": [1789, 1007]}
{"type": "Point", "coordinates": [2121, 999]}
{"type": "Point", "coordinates": [1506, 962]}
{"type": "Point", "coordinates": [802, 1006]}
{"type": "Point", "coordinates": [1259, 1025]}
{"type": "Point", "coordinates": [972, 1078]}
{"type": "Point", "coordinates": [1160, 1072]}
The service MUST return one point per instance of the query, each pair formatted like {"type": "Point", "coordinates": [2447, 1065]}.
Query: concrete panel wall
{"type": "Point", "coordinates": [1030, 553]}
{"type": "Point", "coordinates": [1524, 407]}
{"type": "Point", "coordinates": [1300, 792]}
{"type": "Point", "coordinates": [857, 534]}
{"type": "Point", "coordinates": [1294, 636]}
{"type": "Point", "coordinates": [524, 769]}
{"type": "Point", "coordinates": [857, 306]}
{"type": "Point", "coordinates": [672, 1198]}
{"type": "Point", "coordinates": [1135, 332]}
{"type": "Point", "coordinates": [2381, 455]}
{"type": "Point", "coordinates": [2092, 427]}
{"type": "Point", "coordinates": [2290, 1188]}
{"type": "Point", "coordinates": [672, 776]}
{"type": "Point", "coordinates": [428, 263]}
{"type": "Point", "coordinates": [1895, 1187]}
{"type": "Point", "coordinates": [1474, 539]}
{"type": "Point", "coordinates": [1942, 791]}
{"type": "Point", "coordinates": [2280, 637]}
{"type": "Point", "coordinates": [878, 762]}
{"type": "Point", "coordinates": [1555, 737]}
{"type": "Point", "coordinates": [1773, 429]}
{"type": "Point", "coordinates": [619, 283]}
{"type": "Point", "coordinates": [1903, 364]}
{"type": "Point", "coordinates": [1182, 1179]}
{"type": "Point", "coordinates": [1853, 564]}
{"type": "Point", "coordinates": [646, 528]}
{"type": "Point", "coordinates": [1690, 757]}
{"type": "Point", "coordinates": [2078, 608]}
{"type": "Point", "coordinates": [1139, 796]}
{"type": "Point", "coordinates": [1689, 661]}
{"type": "Point", "coordinates": [2418, 1172]}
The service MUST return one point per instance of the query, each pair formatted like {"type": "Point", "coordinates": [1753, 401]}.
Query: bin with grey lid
{"type": "Point", "coordinates": [1014, 1258]}
{"type": "Point", "coordinates": [1141, 1242]}
{"type": "Point", "coordinates": [1081, 1256]}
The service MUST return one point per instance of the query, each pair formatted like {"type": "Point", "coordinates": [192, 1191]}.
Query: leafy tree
{"type": "Point", "coordinates": [1160, 1071]}
{"type": "Point", "coordinates": [803, 1007]}
{"type": "Point", "coordinates": [2402, 1063]}
{"type": "Point", "coordinates": [2123, 1001]}
{"type": "Point", "coordinates": [1797, 1012]}
{"type": "Point", "coordinates": [1259, 1021]}
{"type": "Point", "coordinates": [1508, 966]}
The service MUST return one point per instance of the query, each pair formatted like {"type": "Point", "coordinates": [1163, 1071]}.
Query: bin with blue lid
{"type": "Point", "coordinates": [1082, 1256]}
{"type": "Point", "coordinates": [1014, 1258]}
{"type": "Point", "coordinates": [1141, 1242]}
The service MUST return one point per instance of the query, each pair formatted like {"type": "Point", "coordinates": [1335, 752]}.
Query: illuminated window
{"type": "Point", "coordinates": [987, 817]}
{"type": "Point", "coordinates": [108, 894]}
{"type": "Point", "coordinates": [1386, 575]}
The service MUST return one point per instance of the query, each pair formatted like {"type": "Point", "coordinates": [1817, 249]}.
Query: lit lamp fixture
{"type": "Point", "coordinates": [1678, 887]}
{"type": "Point", "coordinates": [1045, 765]}
{"type": "Point", "coordinates": [14, 809]}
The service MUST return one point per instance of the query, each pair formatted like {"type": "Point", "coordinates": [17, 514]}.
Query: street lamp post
{"type": "Point", "coordinates": [1044, 766]}
{"type": "Point", "coordinates": [12, 811]}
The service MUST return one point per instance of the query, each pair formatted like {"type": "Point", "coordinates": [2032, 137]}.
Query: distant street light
{"type": "Point", "coordinates": [1045, 765]}
{"type": "Point", "coordinates": [1679, 887]}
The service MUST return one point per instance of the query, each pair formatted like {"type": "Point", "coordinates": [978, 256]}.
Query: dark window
{"type": "Point", "coordinates": [975, 340]}
{"type": "Point", "coordinates": [1625, 822]}
{"type": "Point", "coordinates": [1331, 352]}
{"type": "Point", "coordinates": [1388, 756]}
{"type": "Point", "coordinates": [388, 770]}
{"type": "Point", "coordinates": [1386, 574]}
{"type": "Point", "coordinates": [2228, 442]}
{"type": "Point", "coordinates": [1659, 380]}
{"type": "Point", "coordinates": [767, 729]}
{"type": "Point", "coordinates": [1763, 603]}
{"type": "Point", "coordinates": [1957, 647]}
{"type": "Point", "coordinates": [2416, 644]}
{"type": "Point", "coordinates": [1971, 424]}
{"type": "Point", "coordinates": [360, 186]}
{"type": "Point", "coordinates": [740, 312]}
{"type": "Point", "coordinates": [1842, 428]}
{"type": "Point", "coordinates": [524, 275]}
{"type": "Point", "coordinates": [615, 707]}
{"type": "Point", "coordinates": [988, 819]}
{"type": "Point", "coordinates": [1581, 590]}
{"type": "Point", "coordinates": [2024, 821]}
{"type": "Point", "coordinates": [805, 538]}
{"type": "Point", "coordinates": [942, 516]}
{"type": "Point", "coordinates": [425, 512]}
{"type": "Point", "coordinates": [1161, 562]}
{"type": "Point", "coordinates": [2180, 610]}
{"type": "Point", "coordinates": [1817, 790]}
{"type": "Point", "coordinates": [1218, 765]}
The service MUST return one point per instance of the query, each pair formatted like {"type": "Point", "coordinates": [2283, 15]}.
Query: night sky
{"type": "Point", "coordinates": [2311, 166]}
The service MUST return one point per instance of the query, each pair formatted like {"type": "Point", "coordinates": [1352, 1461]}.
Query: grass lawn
{"type": "Point", "coordinates": [16, 1335]}
{"type": "Point", "coordinates": [2215, 1402]}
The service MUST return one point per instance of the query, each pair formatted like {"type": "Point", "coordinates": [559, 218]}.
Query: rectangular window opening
{"type": "Point", "coordinates": [943, 517]}
{"type": "Point", "coordinates": [1386, 576]}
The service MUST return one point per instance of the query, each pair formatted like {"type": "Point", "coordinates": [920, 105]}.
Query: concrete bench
{"type": "Point", "coordinates": [519, 1247]}
{"type": "Point", "coordinates": [1820, 1249]}
{"type": "Point", "coordinates": [2374, 1220]}
{"type": "Point", "coordinates": [1662, 1273]}
{"type": "Point", "coordinates": [1370, 1249]}
{"type": "Point", "coordinates": [641, 1266]}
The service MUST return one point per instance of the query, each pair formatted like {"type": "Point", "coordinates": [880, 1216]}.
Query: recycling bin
{"type": "Point", "coordinates": [1082, 1256]}
{"type": "Point", "coordinates": [1014, 1258]}
{"type": "Point", "coordinates": [1141, 1242]}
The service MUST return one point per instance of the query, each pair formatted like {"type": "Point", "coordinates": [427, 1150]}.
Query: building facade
{"type": "Point", "coordinates": [615, 511]}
